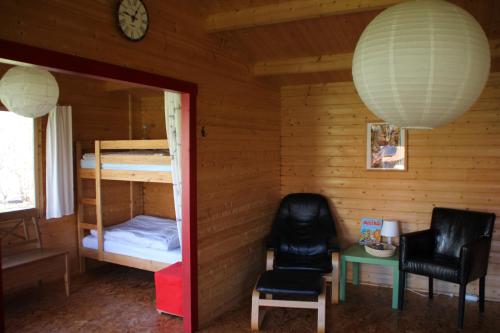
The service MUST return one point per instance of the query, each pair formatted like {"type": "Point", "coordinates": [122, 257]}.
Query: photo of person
{"type": "Point", "coordinates": [385, 147]}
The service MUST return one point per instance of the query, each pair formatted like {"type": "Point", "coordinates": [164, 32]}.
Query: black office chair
{"type": "Point", "coordinates": [303, 237]}
{"type": "Point", "coordinates": [455, 249]}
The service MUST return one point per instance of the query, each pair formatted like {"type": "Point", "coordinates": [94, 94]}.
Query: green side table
{"type": "Point", "coordinates": [356, 254]}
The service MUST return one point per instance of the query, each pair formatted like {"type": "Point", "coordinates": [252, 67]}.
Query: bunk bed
{"type": "Point", "coordinates": [143, 242]}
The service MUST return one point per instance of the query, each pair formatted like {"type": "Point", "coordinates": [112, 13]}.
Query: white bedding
{"type": "Point", "coordinates": [90, 164]}
{"type": "Point", "coordinates": [91, 156]}
{"type": "Point", "coordinates": [144, 231]}
{"type": "Point", "coordinates": [131, 250]}
{"type": "Point", "coordinates": [88, 161]}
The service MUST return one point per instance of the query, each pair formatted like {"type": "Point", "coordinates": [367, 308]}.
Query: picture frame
{"type": "Point", "coordinates": [385, 147]}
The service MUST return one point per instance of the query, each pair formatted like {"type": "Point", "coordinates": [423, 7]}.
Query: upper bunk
{"type": "Point", "coordinates": [127, 160]}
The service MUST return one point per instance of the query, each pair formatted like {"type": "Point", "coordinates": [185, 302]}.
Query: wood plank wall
{"type": "Point", "coordinates": [238, 160]}
{"type": "Point", "coordinates": [323, 150]}
{"type": "Point", "coordinates": [149, 123]}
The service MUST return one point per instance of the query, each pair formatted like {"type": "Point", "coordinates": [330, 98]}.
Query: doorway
{"type": "Point", "coordinates": [20, 54]}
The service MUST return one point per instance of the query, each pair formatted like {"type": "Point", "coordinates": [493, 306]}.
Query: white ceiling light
{"type": "Point", "coordinates": [29, 91]}
{"type": "Point", "coordinates": [421, 64]}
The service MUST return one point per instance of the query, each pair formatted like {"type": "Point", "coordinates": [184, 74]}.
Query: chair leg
{"type": "Point", "coordinates": [269, 260]}
{"type": "Point", "coordinates": [254, 321]}
{"type": "Point", "coordinates": [402, 286]}
{"type": "Point", "coordinates": [461, 306]}
{"type": "Point", "coordinates": [482, 283]}
{"type": "Point", "coordinates": [431, 288]}
{"type": "Point", "coordinates": [322, 309]}
{"type": "Point", "coordinates": [335, 277]}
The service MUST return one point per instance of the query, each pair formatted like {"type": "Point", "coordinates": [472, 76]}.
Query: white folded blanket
{"type": "Point", "coordinates": [146, 231]}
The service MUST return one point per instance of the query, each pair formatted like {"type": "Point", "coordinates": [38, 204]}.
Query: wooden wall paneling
{"type": "Point", "coordinates": [137, 197]}
{"type": "Point", "coordinates": [229, 98]}
{"type": "Point", "coordinates": [149, 110]}
{"type": "Point", "coordinates": [137, 129]}
{"type": "Point", "coordinates": [115, 202]}
{"type": "Point", "coordinates": [235, 192]}
{"type": "Point", "coordinates": [323, 150]}
{"type": "Point", "coordinates": [152, 115]}
{"type": "Point", "coordinates": [158, 200]}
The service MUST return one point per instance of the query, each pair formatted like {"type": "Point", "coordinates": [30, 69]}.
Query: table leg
{"type": "Point", "coordinates": [395, 287]}
{"type": "Point", "coordinates": [355, 273]}
{"type": "Point", "coordinates": [343, 275]}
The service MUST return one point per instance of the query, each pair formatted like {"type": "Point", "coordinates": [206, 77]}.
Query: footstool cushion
{"type": "Point", "coordinates": [290, 283]}
{"type": "Point", "coordinates": [276, 283]}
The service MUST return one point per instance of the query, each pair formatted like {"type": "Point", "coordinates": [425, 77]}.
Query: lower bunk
{"type": "Point", "coordinates": [144, 242]}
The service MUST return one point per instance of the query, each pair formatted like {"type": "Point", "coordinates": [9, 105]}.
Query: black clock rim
{"type": "Point", "coordinates": [120, 28]}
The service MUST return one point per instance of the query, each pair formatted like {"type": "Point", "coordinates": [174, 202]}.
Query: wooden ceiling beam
{"type": "Point", "coordinates": [323, 63]}
{"type": "Point", "coordinates": [289, 11]}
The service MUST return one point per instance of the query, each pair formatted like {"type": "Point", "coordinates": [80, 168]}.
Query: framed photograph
{"type": "Point", "coordinates": [385, 147]}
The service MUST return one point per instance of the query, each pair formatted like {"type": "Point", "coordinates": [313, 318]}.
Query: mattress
{"type": "Point", "coordinates": [88, 161]}
{"type": "Point", "coordinates": [129, 249]}
{"type": "Point", "coordinates": [145, 231]}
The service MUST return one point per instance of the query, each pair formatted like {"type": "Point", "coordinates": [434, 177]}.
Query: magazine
{"type": "Point", "coordinates": [370, 230]}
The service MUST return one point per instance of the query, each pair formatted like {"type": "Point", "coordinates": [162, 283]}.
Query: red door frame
{"type": "Point", "coordinates": [66, 63]}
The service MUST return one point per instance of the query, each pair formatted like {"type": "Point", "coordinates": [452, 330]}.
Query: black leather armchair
{"type": "Point", "coordinates": [303, 237]}
{"type": "Point", "coordinates": [455, 249]}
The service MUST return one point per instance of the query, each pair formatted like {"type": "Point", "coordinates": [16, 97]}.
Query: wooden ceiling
{"type": "Point", "coordinates": [309, 41]}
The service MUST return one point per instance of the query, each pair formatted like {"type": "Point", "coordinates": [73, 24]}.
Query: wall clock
{"type": "Point", "coordinates": [133, 19]}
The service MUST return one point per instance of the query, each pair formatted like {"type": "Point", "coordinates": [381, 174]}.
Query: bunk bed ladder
{"type": "Point", "coordinates": [79, 189]}
{"type": "Point", "coordinates": [98, 200]}
{"type": "Point", "coordinates": [82, 203]}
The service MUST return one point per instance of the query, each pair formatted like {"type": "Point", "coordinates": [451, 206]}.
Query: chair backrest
{"type": "Point", "coordinates": [303, 218]}
{"type": "Point", "coordinates": [454, 227]}
{"type": "Point", "coordinates": [18, 234]}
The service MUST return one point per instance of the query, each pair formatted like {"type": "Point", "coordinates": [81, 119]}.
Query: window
{"type": "Point", "coordinates": [17, 162]}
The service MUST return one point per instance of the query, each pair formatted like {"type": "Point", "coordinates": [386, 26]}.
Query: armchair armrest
{"type": "Point", "coordinates": [474, 259]}
{"type": "Point", "coordinates": [415, 243]}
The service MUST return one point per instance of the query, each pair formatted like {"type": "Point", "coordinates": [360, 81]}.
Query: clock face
{"type": "Point", "coordinates": [133, 19]}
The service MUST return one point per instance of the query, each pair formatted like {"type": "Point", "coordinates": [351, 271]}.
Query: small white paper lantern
{"type": "Point", "coordinates": [29, 91]}
{"type": "Point", "coordinates": [421, 64]}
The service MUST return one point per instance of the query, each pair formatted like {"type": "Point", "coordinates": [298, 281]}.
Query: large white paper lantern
{"type": "Point", "coordinates": [421, 64]}
{"type": "Point", "coordinates": [29, 91]}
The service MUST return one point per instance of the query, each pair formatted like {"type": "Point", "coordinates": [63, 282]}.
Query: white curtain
{"type": "Point", "coordinates": [59, 163]}
{"type": "Point", "coordinates": [173, 123]}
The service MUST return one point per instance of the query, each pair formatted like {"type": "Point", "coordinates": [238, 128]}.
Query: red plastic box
{"type": "Point", "coordinates": [168, 282]}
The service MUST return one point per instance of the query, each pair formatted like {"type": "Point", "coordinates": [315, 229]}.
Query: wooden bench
{"type": "Point", "coordinates": [24, 260]}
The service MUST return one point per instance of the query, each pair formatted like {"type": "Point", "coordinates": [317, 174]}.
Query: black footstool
{"type": "Point", "coordinates": [289, 283]}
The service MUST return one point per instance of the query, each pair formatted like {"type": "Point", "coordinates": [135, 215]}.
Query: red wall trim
{"type": "Point", "coordinates": [66, 63]}
{"type": "Point", "coordinates": [189, 237]}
